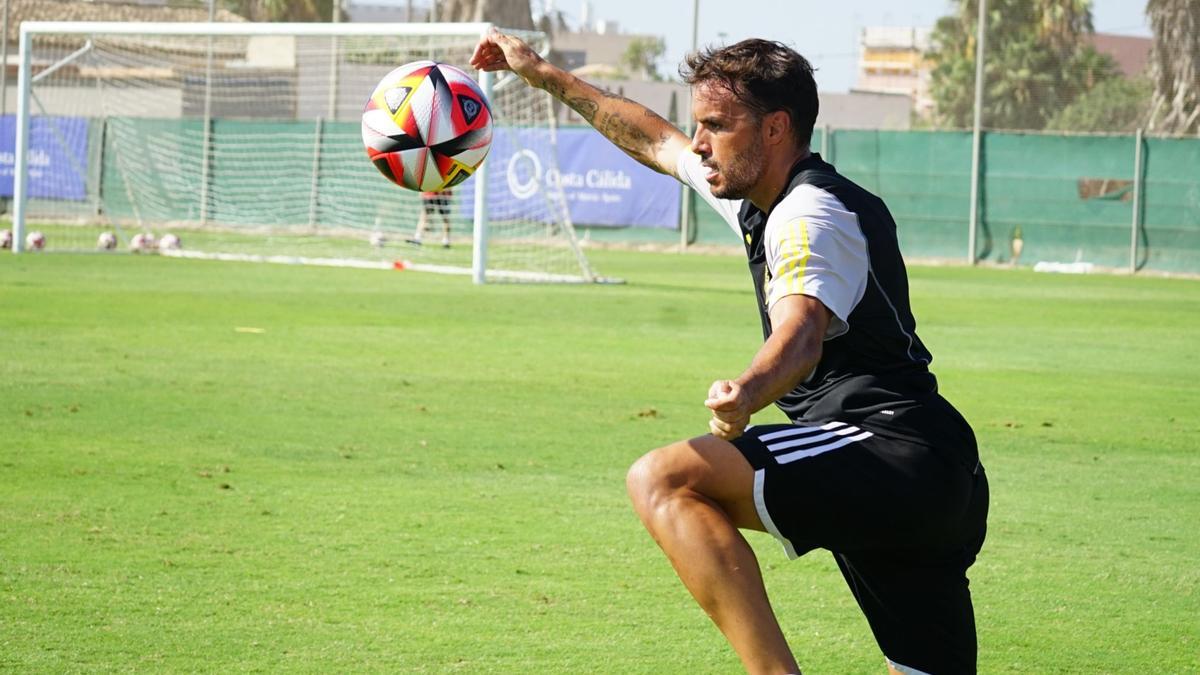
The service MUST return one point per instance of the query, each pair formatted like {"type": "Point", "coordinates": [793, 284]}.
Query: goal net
{"type": "Point", "coordinates": [243, 141]}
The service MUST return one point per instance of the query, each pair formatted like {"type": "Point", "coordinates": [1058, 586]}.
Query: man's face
{"type": "Point", "coordinates": [729, 141]}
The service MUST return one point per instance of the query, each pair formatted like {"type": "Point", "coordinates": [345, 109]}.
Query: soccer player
{"type": "Point", "coordinates": [437, 202]}
{"type": "Point", "coordinates": [876, 466]}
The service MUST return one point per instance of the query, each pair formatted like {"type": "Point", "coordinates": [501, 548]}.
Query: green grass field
{"type": "Point", "coordinates": [223, 467]}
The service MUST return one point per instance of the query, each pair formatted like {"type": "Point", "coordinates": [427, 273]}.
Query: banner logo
{"type": "Point", "coordinates": [524, 174]}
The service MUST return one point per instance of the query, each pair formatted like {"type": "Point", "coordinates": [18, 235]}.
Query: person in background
{"type": "Point", "coordinates": [433, 203]}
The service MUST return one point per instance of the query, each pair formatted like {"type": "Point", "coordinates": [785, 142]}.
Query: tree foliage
{"type": "Point", "coordinates": [1175, 65]}
{"type": "Point", "coordinates": [1115, 105]}
{"type": "Point", "coordinates": [641, 57]}
{"type": "Point", "coordinates": [1037, 61]}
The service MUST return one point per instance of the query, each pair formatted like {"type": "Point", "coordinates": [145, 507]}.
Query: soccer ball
{"type": "Point", "coordinates": [35, 241]}
{"type": "Point", "coordinates": [5, 239]}
{"type": "Point", "coordinates": [169, 242]}
{"type": "Point", "coordinates": [427, 126]}
{"type": "Point", "coordinates": [107, 241]}
{"type": "Point", "coordinates": [142, 242]}
{"type": "Point", "coordinates": [378, 240]}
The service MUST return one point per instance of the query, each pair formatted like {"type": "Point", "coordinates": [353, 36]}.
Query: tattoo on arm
{"type": "Point", "coordinates": [617, 126]}
{"type": "Point", "coordinates": [627, 136]}
{"type": "Point", "coordinates": [584, 106]}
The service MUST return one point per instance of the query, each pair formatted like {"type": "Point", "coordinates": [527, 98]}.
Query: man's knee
{"type": "Point", "coordinates": [704, 468]}
{"type": "Point", "coordinates": [650, 479]}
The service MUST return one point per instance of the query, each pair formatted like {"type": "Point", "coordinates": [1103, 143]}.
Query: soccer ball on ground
{"type": "Point", "coordinates": [169, 242]}
{"type": "Point", "coordinates": [142, 242]}
{"type": "Point", "coordinates": [378, 240]}
{"type": "Point", "coordinates": [427, 126]}
{"type": "Point", "coordinates": [5, 239]}
{"type": "Point", "coordinates": [35, 241]}
{"type": "Point", "coordinates": [107, 241]}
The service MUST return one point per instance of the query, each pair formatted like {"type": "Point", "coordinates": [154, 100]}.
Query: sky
{"type": "Point", "coordinates": [825, 31]}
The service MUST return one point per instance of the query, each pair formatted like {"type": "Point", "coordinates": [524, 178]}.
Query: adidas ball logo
{"type": "Point", "coordinates": [395, 97]}
{"type": "Point", "coordinates": [470, 108]}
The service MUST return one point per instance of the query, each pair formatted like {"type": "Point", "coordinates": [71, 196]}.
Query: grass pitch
{"type": "Point", "coordinates": [215, 466]}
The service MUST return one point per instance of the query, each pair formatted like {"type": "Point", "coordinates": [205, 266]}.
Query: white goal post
{"type": "Point", "coordinates": [242, 140]}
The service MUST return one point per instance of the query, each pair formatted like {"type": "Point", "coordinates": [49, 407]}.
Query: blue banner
{"type": "Point", "coordinates": [601, 185]}
{"type": "Point", "coordinates": [58, 157]}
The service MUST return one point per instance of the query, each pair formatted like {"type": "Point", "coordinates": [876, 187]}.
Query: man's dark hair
{"type": "Point", "coordinates": [766, 76]}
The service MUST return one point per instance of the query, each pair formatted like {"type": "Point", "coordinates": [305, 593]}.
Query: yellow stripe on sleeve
{"type": "Point", "coordinates": [794, 252]}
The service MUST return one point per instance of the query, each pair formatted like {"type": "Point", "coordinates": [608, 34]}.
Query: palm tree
{"type": "Point", "coordinates": [1061, 23]}
{"type": "Point", "coordinates": [1175, 66]}
{"type": "Point", "coordinates": [1038, 61]}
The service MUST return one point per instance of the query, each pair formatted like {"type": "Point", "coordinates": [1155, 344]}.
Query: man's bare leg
{"type": "Point", "coordinates": [422, 221]}
{"type": "Point", "coordinates": [693, 496]}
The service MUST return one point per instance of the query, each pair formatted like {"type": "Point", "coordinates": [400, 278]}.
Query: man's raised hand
{"type": "Point", "coordinates": [497, 51]}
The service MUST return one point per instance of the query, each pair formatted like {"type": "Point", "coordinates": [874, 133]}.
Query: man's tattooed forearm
{"type": "Point", "coordinates": [618, 127]}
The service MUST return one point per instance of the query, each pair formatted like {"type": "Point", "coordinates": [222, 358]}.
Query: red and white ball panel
{"type": "Point", "coordinates": [427, 126]}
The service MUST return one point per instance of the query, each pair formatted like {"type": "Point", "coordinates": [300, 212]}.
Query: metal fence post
{"type": "Point", "coordinates": [314, 190]}
{"type": "Point", "coordinates": [1136, 220]}
{"type": "Point", "coordinates": [206, 140]}
{"type": "Point", "coordinates": [977, 131]}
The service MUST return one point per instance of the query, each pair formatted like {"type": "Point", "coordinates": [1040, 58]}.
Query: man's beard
{"type": "Point", "coordinates": [741, 173]}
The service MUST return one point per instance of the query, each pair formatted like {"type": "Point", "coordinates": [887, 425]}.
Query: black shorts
{"type": "Point", "coordinates": [436, 205]}
{"type": "Point", "coordinates": [904, 521]}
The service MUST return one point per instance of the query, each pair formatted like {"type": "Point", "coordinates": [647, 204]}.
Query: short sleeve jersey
{"type": "Point", "coordinates": [829, 239]}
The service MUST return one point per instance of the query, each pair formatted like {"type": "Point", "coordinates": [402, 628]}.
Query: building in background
{"type": "Point", "coordinates": [369, 12]}
{"type": "Point", "coordinates": [892, 61]}
{"type": "Point", "coordinates": [1131, 53]}
{"type": "Point", "coordinates": [865, 110]}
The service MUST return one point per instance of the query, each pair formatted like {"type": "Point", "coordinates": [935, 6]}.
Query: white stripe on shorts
{"type": "Point", "coordinates": [905, 670]}
{"type": "Point", "coordinates": [760, 505]}
{"type": "Point", "coordinates": [798, 431]}
{"type": "Point", "coordinates": [810, 452]}
{"type": "Point", "coordinates": [809, 440]}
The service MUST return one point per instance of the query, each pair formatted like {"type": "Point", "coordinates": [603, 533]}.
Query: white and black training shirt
{"type": "Point", "coordinates": [828, 238]}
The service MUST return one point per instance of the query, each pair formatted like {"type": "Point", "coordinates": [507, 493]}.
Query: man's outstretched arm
{"type": "Point", "coordinates": [631, 126]}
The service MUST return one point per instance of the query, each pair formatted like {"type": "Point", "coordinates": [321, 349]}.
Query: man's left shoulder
{"type": "Point", "coordinates": [812, 203]}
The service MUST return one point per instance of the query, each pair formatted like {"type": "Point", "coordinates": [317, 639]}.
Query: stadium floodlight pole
{"type": "Point", "coordinates": [977, 131]}
{"type": "Point", "coordinates": [1137, 201]}
{"type": "Point", "coordinates": [685, 195]}
{"type": "Point", "coordinates": [480, 233]}
{"type": "Point", "coordinates": [4, 60]}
